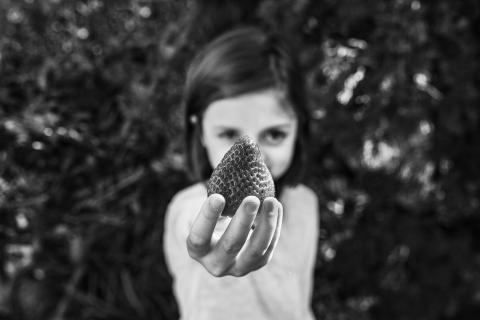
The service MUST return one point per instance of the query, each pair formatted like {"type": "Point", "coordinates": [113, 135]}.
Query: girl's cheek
{"type": "Point", "coordinates": [278, 162]}
{"type": "Point", "coordinates": [215, 155]}
{"type": "Point", "coordinates": [215, 159]}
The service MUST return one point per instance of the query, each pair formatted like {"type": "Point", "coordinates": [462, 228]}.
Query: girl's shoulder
{"type": "Point", "coordinates": [300, 192]}
{"type": "Point", "coordinates": [302, 202]}
{"type": "Point", "coordinates": [192, 195]}
{"type": "Point", "coordinates": [184, 207]}
{"type": "Point", "coordinates": [195, 190]}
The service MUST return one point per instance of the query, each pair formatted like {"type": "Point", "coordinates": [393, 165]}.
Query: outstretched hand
{"type": "Point", "coordinates": [239, 249]}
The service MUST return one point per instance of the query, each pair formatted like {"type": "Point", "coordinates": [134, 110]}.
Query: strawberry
{"type": "Point", "coordinates": [241, 172]}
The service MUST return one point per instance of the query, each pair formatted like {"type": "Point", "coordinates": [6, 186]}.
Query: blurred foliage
{"type": "Point", "coordinates": [91, 152]}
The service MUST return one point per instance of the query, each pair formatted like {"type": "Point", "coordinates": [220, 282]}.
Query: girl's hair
{"type": "Point", "coordinates": [243, 60]}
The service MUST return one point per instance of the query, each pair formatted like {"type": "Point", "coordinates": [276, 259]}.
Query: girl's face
{"type": "Point", "coordinates": [261, 115]}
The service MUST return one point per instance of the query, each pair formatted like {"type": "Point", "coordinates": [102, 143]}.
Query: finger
{"type": "Point", "coordinates": [238, 230]}
{"type": "Point", "coordinates": [199, 238]}
{"type": "Point", "coordinates": [276, 236]}
{"type": "Point", "coordinates": [261, 237]}
{"type": "Point", "coordinates": [278, 229]}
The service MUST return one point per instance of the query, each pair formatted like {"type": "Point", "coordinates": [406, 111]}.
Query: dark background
{"type": "Point", "coordinates": [91, 152]}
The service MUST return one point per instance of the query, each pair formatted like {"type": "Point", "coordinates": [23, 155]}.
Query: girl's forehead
{"type": "Point", "coordinates": [266, 108]}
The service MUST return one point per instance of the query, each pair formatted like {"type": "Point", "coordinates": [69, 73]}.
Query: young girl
{"type": "Point", "coordinates": [245, 82]}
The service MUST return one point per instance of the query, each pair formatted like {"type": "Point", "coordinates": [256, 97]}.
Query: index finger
{"type": "Point", "coordinates": [199, 238]}
{"type": "Point", "coordinates": [238, 230]}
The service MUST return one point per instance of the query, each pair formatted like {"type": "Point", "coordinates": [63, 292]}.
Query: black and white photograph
{"type": "Point", "coordinates": [239, 160]}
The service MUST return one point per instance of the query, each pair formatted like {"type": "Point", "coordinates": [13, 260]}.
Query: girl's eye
{"type": "Point", "coordinates": [275, 136]}
{"type": "Point", "coordinates": [228, 134]}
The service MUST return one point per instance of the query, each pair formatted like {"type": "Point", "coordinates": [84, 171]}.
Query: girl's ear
{"type": "Point", "coordinates": [193, 119]}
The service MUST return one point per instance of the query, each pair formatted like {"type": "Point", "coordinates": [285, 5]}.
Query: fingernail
{"type": "Point", "coordinates": [269, 206]}
{"type": "Point", "coordinates": [216, 202]}
{"type": "Point", "coordinates": [251, 205]}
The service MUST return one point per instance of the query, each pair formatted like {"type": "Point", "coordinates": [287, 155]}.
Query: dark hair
{"type": "Point", "coordinates": [240, 61]}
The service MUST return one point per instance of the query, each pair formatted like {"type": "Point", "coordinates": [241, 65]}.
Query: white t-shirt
{"type": "Point", "coordinates": [280, 290]}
